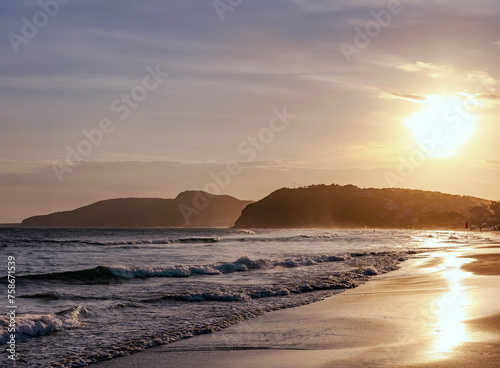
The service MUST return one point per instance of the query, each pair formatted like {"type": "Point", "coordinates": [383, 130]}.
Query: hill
{"type": "Point", "coordinates": [188, 209]}
{"type": "Point", "coordinates": [323, 206]}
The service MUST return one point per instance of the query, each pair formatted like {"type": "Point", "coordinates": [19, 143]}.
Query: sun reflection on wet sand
{"type": "Point", "coordinates": [450, 309]}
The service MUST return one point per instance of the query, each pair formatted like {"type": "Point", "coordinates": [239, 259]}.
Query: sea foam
{"type": "Point", "coordinates": [32, 325]}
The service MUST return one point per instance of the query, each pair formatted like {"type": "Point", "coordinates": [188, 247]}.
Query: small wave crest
{"type": "Point", "coordinates": [245, 231]}
{"type": "Point", "coordinates": [193, 240]}
{"type": "Point", "coordinates": [32, 325]}
{"type": "Point", "coordinates": [286, 239]}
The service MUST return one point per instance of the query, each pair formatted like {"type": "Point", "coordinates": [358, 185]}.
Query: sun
{"type": "Point", "coordinates": [444, 124]}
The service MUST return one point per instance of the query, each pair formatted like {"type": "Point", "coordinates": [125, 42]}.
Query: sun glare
{"type": "Point", "coordinates": [449, 328]}
{"type": "Point", "coordinates": [443, 125]}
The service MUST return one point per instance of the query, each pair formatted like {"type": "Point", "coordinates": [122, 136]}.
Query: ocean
{"type": "Point", "coordinates": [85, 295]}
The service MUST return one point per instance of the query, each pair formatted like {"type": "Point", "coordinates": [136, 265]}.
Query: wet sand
{"type": "Point", "coordinates": [437, 311]}
{"type": "Point", "coordinates": [484, 264]}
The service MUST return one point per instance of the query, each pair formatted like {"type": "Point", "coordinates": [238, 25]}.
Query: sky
{"type": "Point", "coordinates": [121, 98]}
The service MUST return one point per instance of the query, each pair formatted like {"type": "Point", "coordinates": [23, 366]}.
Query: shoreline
{"type": "Point", "coordinates": [437, 311]}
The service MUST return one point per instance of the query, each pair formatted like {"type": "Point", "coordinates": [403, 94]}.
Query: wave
{"type": "Point", "coordinates": [293, 238]}
{"type": "Point", "coordinates": [96, 275]}
{"type": "Point", "coordinates": [324, 236]}
{"type": "Point", "coordinates": [194, 240]}
{"type": "Point", "coordinates": [252, 237]}
{"type": "Point", "coordinates": [265, 292]}
{"type": "Point", "coordinates": [107, 274]}
{"type": "Point", "coordinates": [240, 265]}
{"type": "Point", "coordinates": [53, 295]}
{"type": "Point", "coordinates": [245, 231]}
{"type": "Point", "coordinates": [32, 325]}
{"type": "Point", "coordinates": [154, 241]}
{"type": "Point", "coordinates": [241, 293]}
{"type": "Point", "coordinates": [198, 240]}
{"type": "Point", "coordinates": [115, 273]}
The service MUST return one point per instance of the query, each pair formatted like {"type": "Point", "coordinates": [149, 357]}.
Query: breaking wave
{"type": "Point", "coordinates": [32, 325]}
{"type": "Point", "coordinates": [106, 274]}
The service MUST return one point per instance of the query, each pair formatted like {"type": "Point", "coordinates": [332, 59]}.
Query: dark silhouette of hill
{"type": "Point", "coordinates": [324, 206]}
{"type": "Point", "coordinates": [188, 209]}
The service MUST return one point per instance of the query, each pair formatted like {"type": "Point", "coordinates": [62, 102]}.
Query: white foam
{"type": "Point", "coordinates": [241, 264]}
{"type": "Point", "coordinates": [133, 272]}
{"type": "Point", "coordinates": [245, 231]}
{"type": "Point", "coordinates": [31, 325]}
{"type": "Point", "coordinates": [219, 296]}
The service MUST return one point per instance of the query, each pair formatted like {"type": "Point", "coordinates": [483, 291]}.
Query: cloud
{"type": "Point", "coordinates": [494, 96]}
{"type": "Point", "coordinates": [415, 97]}
{"type": "Point", "coordinates": [418, 66]}
{"type": "Point", "coordinates": [434, 71]}
{"type": "Point", "coordinates": [476, 100]}
{"type": "Point", "coordinates": [483, 78]}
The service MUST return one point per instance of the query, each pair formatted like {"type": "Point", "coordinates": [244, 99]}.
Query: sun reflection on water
{"type": "Point", "coordinates": [451, 307]}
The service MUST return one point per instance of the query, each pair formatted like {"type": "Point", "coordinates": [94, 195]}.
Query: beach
{"type": "Point", "coordinates": [440, 309]}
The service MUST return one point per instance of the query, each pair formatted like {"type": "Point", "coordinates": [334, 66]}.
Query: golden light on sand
{"type": "Point", "coordinates": [444, 124]}
{"type": "Point", "coordinates": [451, 312]}
{"type": "Point", "coordinates": [450, 330]}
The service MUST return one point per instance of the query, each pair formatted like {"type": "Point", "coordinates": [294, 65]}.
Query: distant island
{"type": "Point", "coordinates": [327, 206]}
{"type": "Point", "coordinates": [192, 209]}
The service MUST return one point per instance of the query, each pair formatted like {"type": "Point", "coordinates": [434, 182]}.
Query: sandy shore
{"type": "Point", "coordinates": [437, 311]}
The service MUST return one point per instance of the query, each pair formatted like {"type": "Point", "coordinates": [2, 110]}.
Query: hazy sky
{"type": "Point", "coordinates": [156, 97]}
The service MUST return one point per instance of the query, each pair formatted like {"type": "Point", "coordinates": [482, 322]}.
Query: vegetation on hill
{"type": "Point", "coordinates": [350, 206]}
